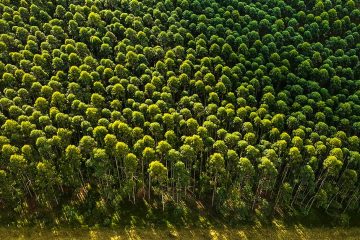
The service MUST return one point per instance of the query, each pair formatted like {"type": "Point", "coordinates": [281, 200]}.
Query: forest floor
{"type": "Point", "coordinates": [144, 223]}
{"type": "Point", "coordinates": [276, 231]}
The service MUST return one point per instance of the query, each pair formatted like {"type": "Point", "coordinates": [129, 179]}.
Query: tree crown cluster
{"type": "Point", "coordinates": [248, 106]}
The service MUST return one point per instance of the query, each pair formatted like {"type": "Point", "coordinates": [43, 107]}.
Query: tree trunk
{"type": "Point", "coordinates": [279, 187]}
{"type": "Point", "coordinates": [81, 177]}
{"type": "Point", "coordinates": [316, 183]}
{"type": "Point", "coordinates": [296, 194]}
{"type": "Point", "coordinates": [149, 188]}
{"type": "Point", "coordinates": [312, 200]}
{"type": "Point", "coordinates": [177, 191]}
{"type": "Point", "coordinates": [256, 193]}
{"type": "Point", "coordinates": [279, 178]}
{"type": "Point", "coordinates": [133, 188]}
{"type": "Point", "coordinates": [333, 198]}
{"type": "Point", "coordinates": [118, 172]}
{"type": "Point", "coordinates": [194, 187]}
{"type": "Point", "coordinates": [351, 199]}
{"type": "Point", "coordinates": [162, 201]}
{"type": "Point", "coordinates": [213, 195]}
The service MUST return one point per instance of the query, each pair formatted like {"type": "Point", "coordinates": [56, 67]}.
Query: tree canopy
{"type": "Point", "coordinates": [248, 106]}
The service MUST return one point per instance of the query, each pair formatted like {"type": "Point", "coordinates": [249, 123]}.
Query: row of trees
{"type": "Point", "coordinates": [249, 107]}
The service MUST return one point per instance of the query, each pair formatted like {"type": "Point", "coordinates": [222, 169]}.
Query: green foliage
{"type": "Point", "coordinates": [252, 106]}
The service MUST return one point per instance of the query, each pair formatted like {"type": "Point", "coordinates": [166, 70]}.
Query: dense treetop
{"type": "Point", "coordinates": [249, 107]}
